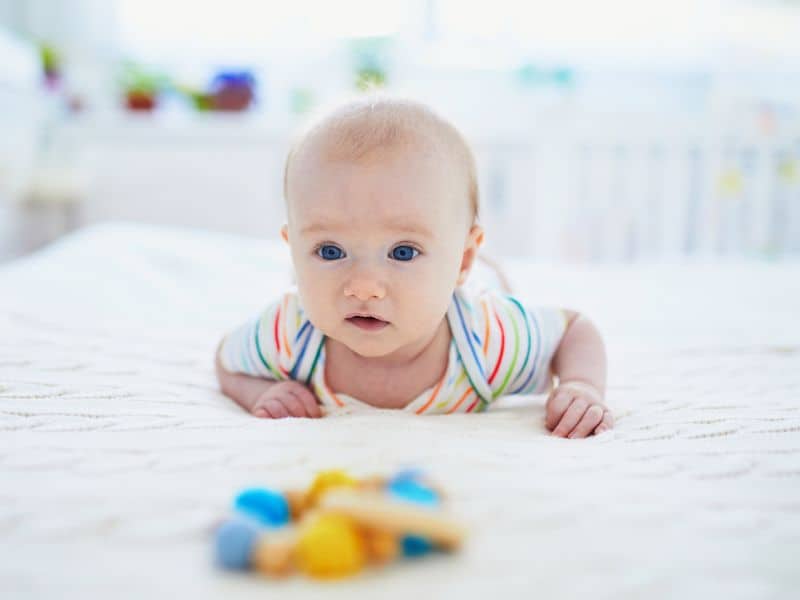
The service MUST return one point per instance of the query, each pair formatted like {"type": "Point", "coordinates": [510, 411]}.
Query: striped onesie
{"type": "Point", "coordinates": [498, 347]}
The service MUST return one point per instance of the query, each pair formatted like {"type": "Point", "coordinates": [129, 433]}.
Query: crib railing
{"type": "Point", "coordinates": [642, 192]}
{"type": "Point", "coordinates": [600, 190]}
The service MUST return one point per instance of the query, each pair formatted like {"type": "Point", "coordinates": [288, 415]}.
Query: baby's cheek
{"type": "Point", "coordinates": [314, 287]}
{"type": "Point", "coordinates": [314, 306]}
{"type": "Point", "coordinates": [425, 311]}
{"type": "Point", "coordinates": [321, 316]}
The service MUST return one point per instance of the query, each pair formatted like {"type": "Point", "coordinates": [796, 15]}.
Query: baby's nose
{"type": "Point", "coordinates": [365, 287]}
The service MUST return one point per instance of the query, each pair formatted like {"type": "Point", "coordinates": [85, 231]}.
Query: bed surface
{"type": "Point", "coordinates": [117, 453]}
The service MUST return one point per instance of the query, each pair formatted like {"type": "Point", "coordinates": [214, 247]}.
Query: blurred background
{"type": "Point", "coordinates": [605, 131]}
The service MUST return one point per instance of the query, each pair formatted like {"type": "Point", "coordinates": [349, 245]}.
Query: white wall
{"type": "Point", "coordinates": [21, 118]}
{"type": "Point", "coordinates": [612, 189]}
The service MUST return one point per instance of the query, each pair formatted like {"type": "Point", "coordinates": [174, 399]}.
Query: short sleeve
{"type": "Point", "coordinates": [260, 347]}
{"type": "Point", "coordinates": [519, 343]}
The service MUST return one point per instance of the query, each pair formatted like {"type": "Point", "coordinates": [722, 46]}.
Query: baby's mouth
{"type": "Point", "coordinates": [367, 323]}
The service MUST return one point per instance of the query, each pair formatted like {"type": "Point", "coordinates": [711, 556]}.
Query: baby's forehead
{"type": "Point", "coordinates": [394, 190]}
{"type": "Point", "coordinates": [371, 135]}
{"type": "Point", "coordinates": [398, 220]}
{"type": "Point", "coordinates": [367, 141]}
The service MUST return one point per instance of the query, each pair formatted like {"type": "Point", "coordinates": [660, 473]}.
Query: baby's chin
{"type": "Point", "coordinates": [371, 349]}
{"type": "Point", "coordinates": [365, 347]}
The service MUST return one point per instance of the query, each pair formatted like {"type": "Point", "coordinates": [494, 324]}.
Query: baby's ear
{"type": "Point", "coordinates": [285, 233]}
{"type": "Point", "coordinates": [474, 241]}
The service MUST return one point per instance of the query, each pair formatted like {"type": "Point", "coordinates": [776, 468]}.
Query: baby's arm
{"type": "Point", "coordinates": [576, 407]}
{"type": "Point", "coordinates": [267, 398]}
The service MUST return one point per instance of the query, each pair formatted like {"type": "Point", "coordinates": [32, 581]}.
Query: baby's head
{"type": "Point", "coordinates": [382, 202]}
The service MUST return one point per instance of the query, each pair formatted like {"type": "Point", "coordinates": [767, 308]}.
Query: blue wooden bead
{"type": "Point", "coordinates": [408, 485]}
{"type": "Point", "coordinates": [414, 545]}
{"type": "Point", "coordinates": [268, 507]}
{"type": "Point", "coordinates": [412, 491]}
{"type": "Point", "coordinates": [234, 543]}
{"type": "Point", "coordinates": [412, 474]}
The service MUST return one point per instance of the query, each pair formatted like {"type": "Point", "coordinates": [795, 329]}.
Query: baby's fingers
{"type": "Point", "coordinates": [556, 406]}
{"type": "Point", "coordinates": [275, 409]}
{"type": "Point", "coordinates": [606, 424]}
{"type": "Point", "coordinates": [309, 402]}
{"type": "Point", "coordinates": [293, 404]}
{"type": "Point", "coordinates": [571, 417]}
{"type": "Point", "coordinates": [591, 419]}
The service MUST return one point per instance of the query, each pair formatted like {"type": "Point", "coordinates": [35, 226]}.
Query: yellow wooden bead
{"type": "Point", "coordinates": [327, 480]}
{"type": "Point", "coordinates": [329, 547]}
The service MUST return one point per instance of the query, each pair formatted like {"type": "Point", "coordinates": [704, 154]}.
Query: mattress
{"type": "Point", "coordinates": [118, 453]}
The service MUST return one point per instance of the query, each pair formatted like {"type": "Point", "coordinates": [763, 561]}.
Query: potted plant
{"type": "Point", "coordinates": [141, 87]}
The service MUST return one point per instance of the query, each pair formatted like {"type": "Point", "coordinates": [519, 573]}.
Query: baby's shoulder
{"type": "Point", "coordinates": [287, 297]}
{"type": "Point", "coordinates": [283, 308]}
{"type": "Point", "coordinates": [491, 310]}
{"type": "Point", "coordinates": [483, 302]}
{"type": "Point", "coordinates": [483, 313]}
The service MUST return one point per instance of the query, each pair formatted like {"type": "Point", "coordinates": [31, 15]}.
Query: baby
{"type": "Point", "coordinates": [382, 207]}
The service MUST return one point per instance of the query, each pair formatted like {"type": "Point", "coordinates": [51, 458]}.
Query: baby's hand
{"type": "Point", "coordinates": [286, 399]}
{"type": "Point", "coordinates": [575, 409]}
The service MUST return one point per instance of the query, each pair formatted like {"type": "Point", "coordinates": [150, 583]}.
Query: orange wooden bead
{"type": "Point", "coordinates": [298, 503]}
{"type": "Point", "coordinates": [374, 483]}
{"type": "Point", "coordinates": [273, 554]}
{"type": "Point", "coordinates": [382, 546]}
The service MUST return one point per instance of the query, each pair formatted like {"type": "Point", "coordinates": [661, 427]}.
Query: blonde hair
{"type": "Point", "coordinates": [366, 127]}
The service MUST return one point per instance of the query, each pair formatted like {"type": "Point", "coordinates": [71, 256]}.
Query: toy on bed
{"type": "Point", "coordinates": [337, 526]}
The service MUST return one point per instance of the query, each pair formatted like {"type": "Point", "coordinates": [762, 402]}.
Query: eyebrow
{"type": "Point", "coordinates": [399, 226]}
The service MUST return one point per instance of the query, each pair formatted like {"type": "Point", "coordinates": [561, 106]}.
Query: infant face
{"type": "Point", "coordinates": [377, 246]}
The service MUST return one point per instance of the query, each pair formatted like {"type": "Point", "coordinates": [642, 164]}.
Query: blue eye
{"type": "Point", "coordinates": [328, 252]}
{"type": "Point", "coordinates": [404, 253]}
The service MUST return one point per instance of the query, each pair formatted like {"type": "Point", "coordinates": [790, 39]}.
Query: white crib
{"type": "Point", "coordinates": [602, 189]}
{"type": "Point", "coordinates": [619, 190]}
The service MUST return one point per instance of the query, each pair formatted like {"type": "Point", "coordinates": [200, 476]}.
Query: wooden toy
{"type": "Point", "coordinates": [337, 526]}
{"type": "Point", "coordinates": [376, 511]}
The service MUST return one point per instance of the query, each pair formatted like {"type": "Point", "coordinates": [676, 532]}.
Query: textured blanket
{"type": "Point", "coordinates": [117, 452]}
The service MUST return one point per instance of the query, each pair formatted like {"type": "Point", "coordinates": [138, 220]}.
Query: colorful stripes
{"type": "Point", "coordinates": [433, 395]}
{"type": "Point", "coordinates": [511, 368]}
{"type": "Point", "coordinates": [454, 408]}
{"type": "Point", "coordinates": [462, 332]}
{"type": "Point", "coordinates": [487, 332]}
{"type": "Point", "coordinates": [502, 346]}
{"type": "Point", "coordinates": [498, 347]}
{"type": "Point", "coordinates": [465, 334]}
{"type": "Point", "coordinates": [261, 353]}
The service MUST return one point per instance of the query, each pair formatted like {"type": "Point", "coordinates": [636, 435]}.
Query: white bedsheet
{"type": "Point", "coordinates": [117, 452]}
